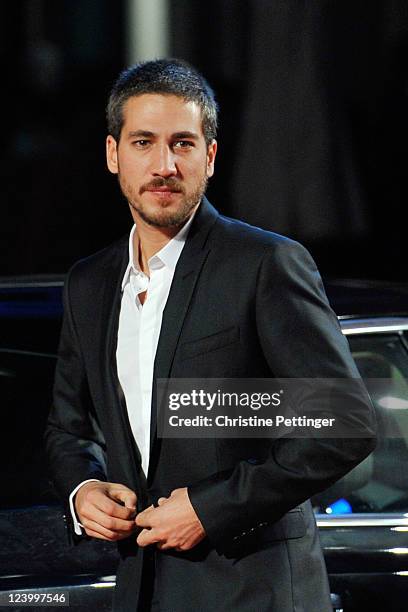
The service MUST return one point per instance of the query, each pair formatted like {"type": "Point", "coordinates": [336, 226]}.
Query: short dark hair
{"type": "Point", "coordinates": [163, 76]}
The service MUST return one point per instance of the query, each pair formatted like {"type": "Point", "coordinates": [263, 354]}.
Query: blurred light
{"type": "Point", "coordinates": [148, 30]}
{"type": "Point", "coordinates": [341, 506]}
{"type": "Point", "coordinates": [393, 403]}
{"type": "Point", "coordinates": [399, 529]}
{"type": "Point", "coordinates": [397, 551]}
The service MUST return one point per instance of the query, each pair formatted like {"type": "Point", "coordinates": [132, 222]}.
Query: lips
{"type": "Point", "coordinates": [163, 192]}
{"type": "Point", "coordinates": [162, 188]}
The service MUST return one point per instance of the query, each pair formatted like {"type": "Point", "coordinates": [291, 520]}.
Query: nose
{"type": "Point", "coordinates": [164, 163]}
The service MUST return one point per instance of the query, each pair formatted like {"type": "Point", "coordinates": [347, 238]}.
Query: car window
{"type": "Point", "coordinates": [30, 318]}
{"type": "Point", "coordinates": [379, 483]}
{"type": "Point", "coordinates": [25, 389]}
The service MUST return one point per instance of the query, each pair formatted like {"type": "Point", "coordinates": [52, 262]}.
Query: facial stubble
{"type": "Point", "coordinates": [163, 217]}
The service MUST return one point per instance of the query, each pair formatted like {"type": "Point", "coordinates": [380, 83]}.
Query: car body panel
{"type": "Point", "coordinates": [366, 552]}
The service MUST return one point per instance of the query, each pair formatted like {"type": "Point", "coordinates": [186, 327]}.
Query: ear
{"type": "Point", "coordinates": [112, 154]}
{"type": "Point", "coordinates": [211, 153]}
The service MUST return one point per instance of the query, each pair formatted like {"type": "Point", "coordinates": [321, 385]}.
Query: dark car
{"type": "Point", "coordinates": [35, 554]}
{"type": "Point", "coordinates": [363, 518]}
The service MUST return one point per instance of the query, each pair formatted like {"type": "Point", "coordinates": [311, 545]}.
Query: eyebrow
{"type": "Point", "coordinates": [140, 134]}
{"type": "Point", "coordinates": [186, 134]}
{"type": "Point", "coordinates": [148, 134]}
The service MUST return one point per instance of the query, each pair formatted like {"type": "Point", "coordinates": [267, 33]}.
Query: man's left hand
{"type": "Point", "coordinates": [173, 524]}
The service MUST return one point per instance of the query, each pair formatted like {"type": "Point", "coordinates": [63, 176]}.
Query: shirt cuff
{"type": "Point", "coordinates": [77, 525]}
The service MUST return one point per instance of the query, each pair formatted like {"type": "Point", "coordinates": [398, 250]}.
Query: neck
{"type": "Point", "coordinates": [149, 240]}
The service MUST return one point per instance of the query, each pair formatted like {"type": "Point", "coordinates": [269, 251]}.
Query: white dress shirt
{"type": "Point", "coordinates": [138, 335]}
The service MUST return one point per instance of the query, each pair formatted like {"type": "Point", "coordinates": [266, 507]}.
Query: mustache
{"type": "Point", "coordinates": [170, 183]}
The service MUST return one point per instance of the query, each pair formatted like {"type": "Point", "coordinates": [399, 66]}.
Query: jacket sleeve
{"type": "Point", "coordinates": [74, 443]}
{"type": "Point", "coordinates": [300, 338]}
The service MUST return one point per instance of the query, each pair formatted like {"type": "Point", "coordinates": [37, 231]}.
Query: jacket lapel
{"type": "Point", "coordinates": [122, 432]}
{"type": "Point", "coordinates": [186, 275]}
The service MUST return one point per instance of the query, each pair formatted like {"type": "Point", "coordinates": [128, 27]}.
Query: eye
{"type": "Point", "coordinates": [183, 144]}
{"type": "Point", "coordinates": [141, 143]}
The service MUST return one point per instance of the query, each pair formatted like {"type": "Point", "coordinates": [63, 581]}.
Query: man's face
{"type": "Point", "coordinates": [162, 160]}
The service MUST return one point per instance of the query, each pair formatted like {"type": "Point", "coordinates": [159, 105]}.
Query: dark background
{"type": "Point", "coordinates": [313, 126]}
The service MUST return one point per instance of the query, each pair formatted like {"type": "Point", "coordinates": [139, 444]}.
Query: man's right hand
{"type": "Point", "coordinates": [106, 510]}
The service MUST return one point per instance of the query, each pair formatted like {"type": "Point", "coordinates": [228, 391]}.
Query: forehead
{"type": "Point", "coordinates": [161, 112]}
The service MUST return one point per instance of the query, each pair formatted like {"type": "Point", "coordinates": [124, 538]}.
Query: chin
{"type": "Point", "coordinates": [165, 220]}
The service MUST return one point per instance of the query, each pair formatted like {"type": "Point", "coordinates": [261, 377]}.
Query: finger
{"type": "Point", "coordinates": [144, 519]}
{"type": "Point", "coordinates": [164, 546]}
{"type": "Point", "coordinates": [124, 495]}
{"type": "Point", "coordinates": [95, 534]}
{"type": "Point", "coordinates": [96, 530]}
{"type": "Point", "coordinates": [108, 521]}
{"type": "Point", "coordinates": [146, 537]}
{"type": "Point", "coordinates": [161, 501]}
{"type": "Point", "coordinates": [107, 505]}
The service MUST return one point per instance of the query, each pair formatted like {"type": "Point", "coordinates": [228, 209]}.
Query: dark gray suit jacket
{"type": "Point", "coordinates": [243, 303]}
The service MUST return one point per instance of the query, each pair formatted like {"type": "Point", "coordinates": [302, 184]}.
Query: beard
{"type": "Point", "coordinates": [164, 217]}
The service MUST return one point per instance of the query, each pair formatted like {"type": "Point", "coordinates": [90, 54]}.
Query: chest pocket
{"type": "Point", "coordinates": [209, 343]}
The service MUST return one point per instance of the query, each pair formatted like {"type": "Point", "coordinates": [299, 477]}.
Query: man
{"type": "Point", "coordinates": [201, 524]}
